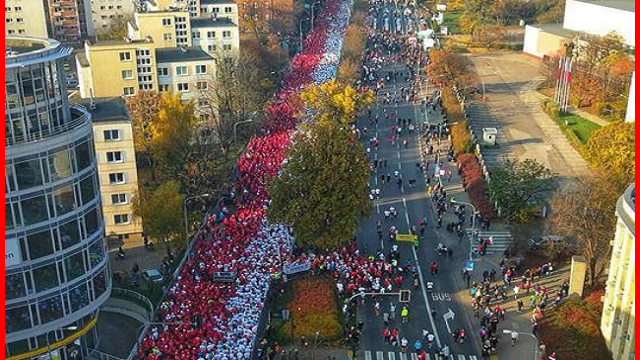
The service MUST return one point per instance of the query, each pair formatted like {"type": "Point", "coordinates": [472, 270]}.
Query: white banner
{"type": "Point", "coordinates": [11, 252]}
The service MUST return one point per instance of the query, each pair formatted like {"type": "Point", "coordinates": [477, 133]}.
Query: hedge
{"type": "Point", "coordinates": [475, 185]}
{"type": "Point", "coordinates": [313, 308]}
{"type": "Point", "coordinates": [573, 329]}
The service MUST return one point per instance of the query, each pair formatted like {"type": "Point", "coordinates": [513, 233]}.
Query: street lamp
{"type": "Point", "coordinates": [68, 328]}
{"type": "Point", "coordinates": [184, 210]}
{"type": "Point", "coordinates": [473, 221]}
{"type": "Point", "coordinates": [235, 126]}
{"type": "Point", "coordinates": [535, 351]}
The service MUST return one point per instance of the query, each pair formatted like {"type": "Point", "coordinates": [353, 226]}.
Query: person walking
{"type": "Point", "coordinates": [392, 311]}
{"type": "Point", "coordinates": [404, 314]}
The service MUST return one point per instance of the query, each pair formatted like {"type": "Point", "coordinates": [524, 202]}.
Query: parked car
{"type": "Point", "coordinates": [540, 241]}
{"type": "Point", "coordinates": [153, 275]}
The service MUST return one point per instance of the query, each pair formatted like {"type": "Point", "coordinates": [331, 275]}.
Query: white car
{"type": "Point", "coordinates": [153, 275]}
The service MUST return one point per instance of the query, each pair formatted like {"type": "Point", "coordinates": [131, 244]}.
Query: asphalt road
{"type": "Point", "coordinates": [412, 204]}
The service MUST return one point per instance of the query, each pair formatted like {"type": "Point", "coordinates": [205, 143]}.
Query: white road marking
{"type": "Point", "coordinates": [424, 290]}
{"type": "Point", "coordinates": [379, 355]}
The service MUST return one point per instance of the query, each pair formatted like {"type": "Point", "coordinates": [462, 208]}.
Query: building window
{"type": "Point", "coordinates": [115, 157]}
{"type": "Point", "coordinates": [181, 70]}
{"type": "Point", "coordinates": [163, 71]}
{"type": "Point", "coordinates": [119, 199]}
{"type": "Point", "coordinates": [163, 88]}
{"type": "Point", "coordinates": [166, 22]}
{"type": "Point", "coordinates": [226, 47]}
{"type": "Point", "coordinates": [8, 20]}
{"type": "Point", "coordinates": [7, 9]}
{"type": "Point", "coordinates": [195, 34]}
{"type": "Point", "coordinates": [18, 8]}
{"type": "Point", "coordinates": [212, 48]}
{"type": "Point", "coordinates": [167, 36]}
{"type": "Point", "coordinates": [201, 85]}
{"type": "Point", "coordinates": [183, 87]}
{"type": "Point", "coordinates": [228, 9]}
{"type": "Point", "coordinates": [201, 69]}
{"type": "Point", "coordinates": [116, 178]}
{"type": "Point", "coordinates": [125, 56]}
{"type": "Point", "coordinates": [215, 10]}
{"type": "Point", "coordinates": [128, 91]}
{"type": "Point", "coordinates": [226, 34]}
{"type": "Point", "coordinates": [127, 74]}
{"type": "Point", "coordinates": [211, 34]}
{"type": "Point", "coordinates": [11, 32]}
{"type": "Point", "coordinates": [111, 135]}
{"type": "Point", "coordinates": [121, 219]}
{"type": "Point", "coordinates": [21, 31]}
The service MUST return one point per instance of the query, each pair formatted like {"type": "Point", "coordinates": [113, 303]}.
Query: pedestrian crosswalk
{"type": "Point", "coordinates": [500, 240]}
{"type": "Point", "coordinates": [393, 355]}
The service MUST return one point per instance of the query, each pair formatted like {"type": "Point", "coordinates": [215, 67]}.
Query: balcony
{"type": "Point", "coordinates": [79, 116]}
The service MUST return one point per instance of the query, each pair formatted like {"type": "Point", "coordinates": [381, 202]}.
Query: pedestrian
{"type": "Point", "coordinates": [404, 314]}
{"type": "Point", "coordinates": [385, 319]}
{"type": "Point", "coordinates": [386, 335]}
{"type": "Point", "coordinates": [516, 290]}
{"type": "Point", "coordinates": [392, 311]}
{"type": "Point", "coordinates": [520, 305]}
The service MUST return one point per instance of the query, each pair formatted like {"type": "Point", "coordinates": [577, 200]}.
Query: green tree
{"type": "Point", "coordinates": [172, 135]}
{"type": "Point", "coordinates": [335, 102]}
{"type": "Point", "coordinates": [518, 186]}
{"type": "Point", "coordinates": [323, 187]}
{"type": "Point", "coordinates": [611, 152]}
{"type": "Point", "coordinates": [161, 211]}
{"type": "Point", "coordinates": [550, 11]}
{"type": "Point", "coordinates": [583, 211]}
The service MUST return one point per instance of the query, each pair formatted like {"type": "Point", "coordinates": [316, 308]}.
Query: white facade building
{"type": "Point", "coordinates": [619, 312]}
{"type": "Point", "coordinates": [597, 17]}
{"type": "Point", "coordinates": [186, 71]}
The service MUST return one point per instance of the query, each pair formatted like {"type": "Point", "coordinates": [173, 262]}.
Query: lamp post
{"type": "Point", "coordinates": [68, 328]}
{"type": "Point", "coordinates": [235, 129]}
{"type": "Point", "coordinates": [184, 210]}
{"type": "Point", "coordinates": [473, 222]}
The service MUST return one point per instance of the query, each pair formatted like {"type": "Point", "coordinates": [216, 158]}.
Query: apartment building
{"type": "Point", "coordinates": [25, 18]}
{"type": "Point", "coordinates": [122, 68]}
{"type": "Point", "coordinates": [215, 35]}
{"type": "Point", "coordinates": [188, 72]}
{"type": "Point", "coordinates": [166, 28]}
{"type": "Point", "coordinates": [116, 68]}
{"type": "Point", "coordinates": [104, 12]}
{"type": "Point", "coordinates": [117, 171]}
{"type": "Point", "coordinates": [619, 311]}
{"type": "Point", "coordinates": [69, 20]}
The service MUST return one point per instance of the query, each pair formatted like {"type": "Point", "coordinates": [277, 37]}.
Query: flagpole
{"type": "Point", "coordinates": [556, 96]}
{"type": "Point", "coordinates": [569, 78]}
{"type": "Point", "coordinates": [565, 92]}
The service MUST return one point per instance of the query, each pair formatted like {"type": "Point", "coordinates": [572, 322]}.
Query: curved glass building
{"type": "Point", "coordinates": [56, 264]}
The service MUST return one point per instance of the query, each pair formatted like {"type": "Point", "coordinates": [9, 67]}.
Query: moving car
{"type": "Point", "coordinates": [153, 275]}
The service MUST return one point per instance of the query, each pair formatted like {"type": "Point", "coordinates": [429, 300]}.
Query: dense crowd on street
{"type": "Point", "coordinates": [244, 243]}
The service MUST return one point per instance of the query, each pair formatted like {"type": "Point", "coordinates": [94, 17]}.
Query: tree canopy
{"type": "Point", "coordinates": [584, 212]}
{"type": "Point", "coordinates": [172, 134]}
{"type": "Point", "coordinates": [322, 189]}
{"type": "Point", "coordinates": [611, 151]}
{"type": "Point", "coordinates": [518, 186]}
{"type": "Point", "coordinates": [335, 102]}
{"type": "Point", "coordinates": [161, 211]}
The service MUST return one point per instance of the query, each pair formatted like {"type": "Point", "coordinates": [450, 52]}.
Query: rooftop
{"type": "Point", "coordinates": [625, 5]}
{"type": "Point", "coordinates": [216, 2]}
{"type": "Point", "coordinates": [125, 41]}
{"type": "Point", "coordinates": [557, 29]}
{"type": "Point", "coordinates": [167, 55]}
{"type": "Point", "coordinates": [106, 109]}
{"type": "Point", "coordinates": [209, 22]}
{"type": "Point", "coordinates": [26, 50]}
